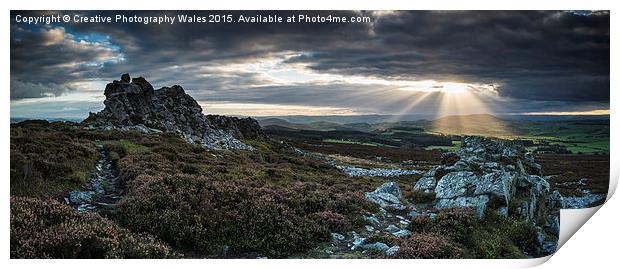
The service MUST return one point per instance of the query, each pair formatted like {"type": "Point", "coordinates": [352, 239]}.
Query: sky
{"type": "Point", "coordinates": [409, 62]}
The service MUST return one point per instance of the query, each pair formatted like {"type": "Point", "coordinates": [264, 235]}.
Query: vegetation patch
{"type": "Point", "coordinates": [493, 237]}
{"type": "Point", "coordinates": [44, 228]}
{"type": "Point", "coordinates": [47, 159]}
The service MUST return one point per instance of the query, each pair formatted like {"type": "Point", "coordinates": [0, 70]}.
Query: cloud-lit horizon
{"type": "Point", "coordinates": [413, 62]}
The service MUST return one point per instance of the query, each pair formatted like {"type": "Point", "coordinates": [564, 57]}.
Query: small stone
{"type": "Point", "coordinates": [392, 251]}
{"type": "Point", "coordinates": [337, 236]}
{"type": "Point", "coordinates": [372, 219]}
{"type": "Point", "coordinates": [402, 233]}
{"type": "Point", "coordinates": [375, 246]}
{"type": "Point", "coordinates": [369, 228]}
{"type": "Point", "coordinates": [392, 228]}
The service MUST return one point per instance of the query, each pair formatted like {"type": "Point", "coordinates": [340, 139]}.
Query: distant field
{"type": "Point", "coordinates": [340, 141]}
{"type": "Point", "coordinates": [456, 144]}
{"type": "Point", "coordinates": [565, 136]}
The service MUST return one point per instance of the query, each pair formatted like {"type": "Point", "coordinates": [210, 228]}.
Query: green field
{"type": "Point", "coordinates": [456, 144]}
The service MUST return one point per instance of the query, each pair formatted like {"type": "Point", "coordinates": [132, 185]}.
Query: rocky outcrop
{"type": "Point", "coordinates": [495, 176]}
{"type": "Point", "coordinates": [137, 106]}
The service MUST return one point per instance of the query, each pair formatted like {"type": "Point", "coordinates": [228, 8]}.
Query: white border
{"type": "Point", "coordinates": [594, 245]}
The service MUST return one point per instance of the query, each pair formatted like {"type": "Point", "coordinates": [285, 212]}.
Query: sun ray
{"type": "Point", "coordinates": [463, 112]}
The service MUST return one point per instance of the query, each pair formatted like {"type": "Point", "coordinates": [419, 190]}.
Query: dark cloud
{"type": "Point", "coordinates": [555, 56]}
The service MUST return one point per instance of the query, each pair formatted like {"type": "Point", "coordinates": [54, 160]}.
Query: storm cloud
{"type": "Point", "coordinates": [549, 58]}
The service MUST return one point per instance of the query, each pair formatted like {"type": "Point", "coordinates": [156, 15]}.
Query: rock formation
{"type": "Point", "coordinates": [137, 106]}
{"type": "Point", "coordinates": [490, 176]}
{"type": "Point", "coordinates": [496, 175]}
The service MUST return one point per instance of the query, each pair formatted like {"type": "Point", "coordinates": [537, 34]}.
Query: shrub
{"type": "Point", "coordinates": [44, 228]}
{"type": "Point", "coordinates": [418, 196]}
{"type": "Point", "coordinates": [195, 213]}
{"type": "Point", "coordinates": [455, 223]}
{"type": "Point", "coordinates": [427, 246]}
{"type": "Point", "coordinates": [47, 158]}
{"type": "Point", "coordinates": [493, 237]}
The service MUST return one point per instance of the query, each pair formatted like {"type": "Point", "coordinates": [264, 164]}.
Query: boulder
{"type": "Point", "coordinates": [427, 182]}
{"type": "Point", "coordinates": [387, 195]}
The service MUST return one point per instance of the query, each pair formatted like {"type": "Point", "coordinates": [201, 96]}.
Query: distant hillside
{"type": "Point", "coordinates": [479, 124]}
{"type": "Point", "coordinates": [275, 122]}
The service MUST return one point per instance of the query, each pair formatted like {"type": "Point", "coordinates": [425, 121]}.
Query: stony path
{"type": "Point", "coordinates": [101, 191]}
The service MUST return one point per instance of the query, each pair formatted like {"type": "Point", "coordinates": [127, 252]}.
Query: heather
{"type": "Point", "coordinates": [269, 202]}
{"type": "Point", "coordinates": [494, 237]}
{"type": "Point", "coordinates": [48, 158]}
{"type": "Point", "coordinates": [44, 228]}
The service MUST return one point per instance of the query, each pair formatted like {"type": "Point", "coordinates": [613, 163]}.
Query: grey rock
{"type": "Point", "coordinates": [402, 233]}
{"type": "Point", "coordinates": [387, 195]}
{"type": "Point", "coordinates": [392, 228]}
{"type": "Point", "coordinates": [392, 250]}
{"type": "Point", "coordinates": [587, 199]}
{"type": "Point", "coordinates": [337, 236]}
{"type": "Point", "coordinates": [500, 184]}
{"type": "Point", "coordinates": [455, 184]}
{"type": "Point", "coordinates": [375, 246]}
{"type": "Point", "coordinates": [413, 214]}
{"type": "Point", "coordinates": [375, 172]}
{"type": "Point", "coordinates": [81, 197]}
{"type": "Point", "coordinates": [372, 219]}
{"type": "Point", "coordinates": [427, 182]}
{"type": "Point", "coordinates": [357, 241]}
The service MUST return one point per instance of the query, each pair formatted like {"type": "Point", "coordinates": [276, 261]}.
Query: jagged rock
{"type": "Point", "coordinates": [137, 106]}
{"type": "Point", "coordinates": [125, 78]}
{"type": "Point", "coordinates": [455, 184]}
{"type": "Point", "coordinates": [427, 182]}
{"type": "Point", "coordinates": [500, 184]}
{"type": "Point", "coordinates": [387, 195]}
